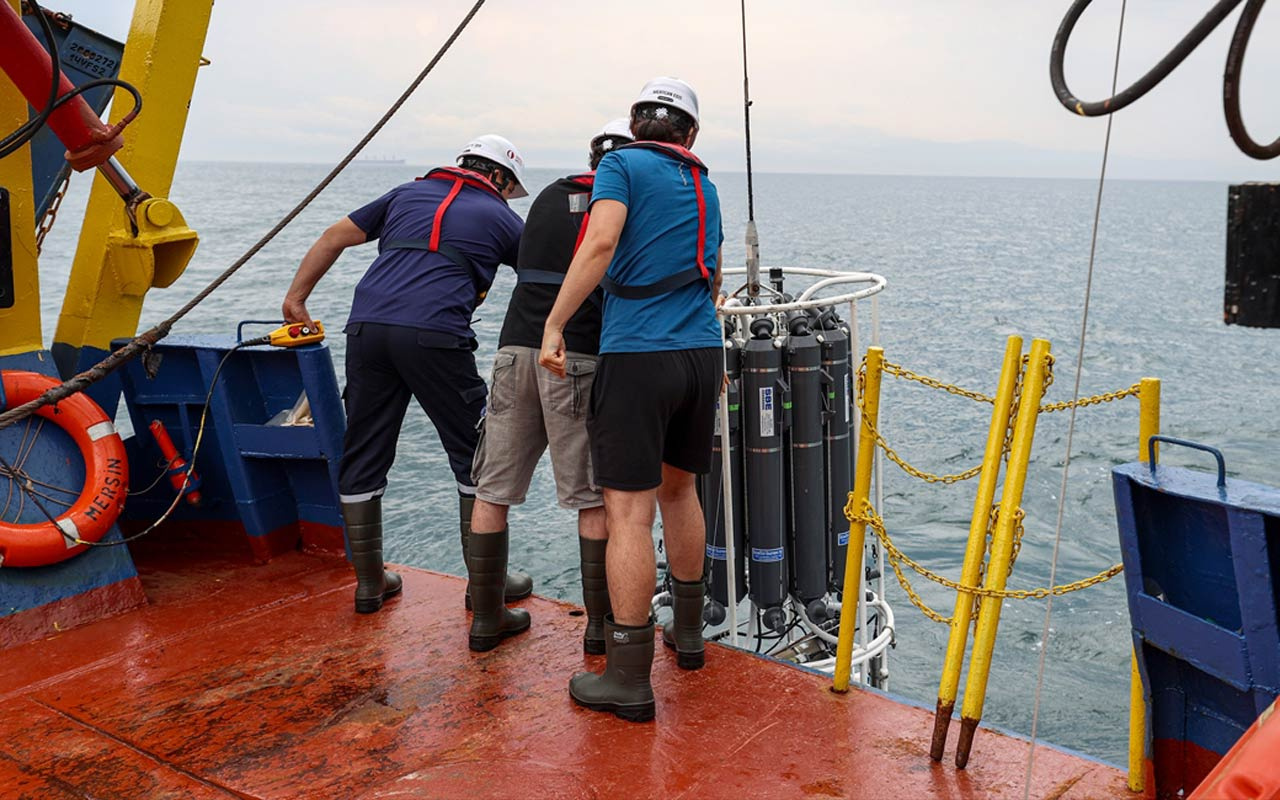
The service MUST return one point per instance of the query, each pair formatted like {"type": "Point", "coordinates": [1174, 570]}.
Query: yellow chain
{"type": "Point", "coordinates": [899, 371]}
{"type": "Point", "coordinates": [896, 558]}
{"type": "Point", "coordinates": [1105, 397]}
{"type": "Point", "coordinates": [893, 455]}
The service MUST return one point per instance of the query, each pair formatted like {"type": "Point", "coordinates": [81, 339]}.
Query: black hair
{"type": "Point", "coordinates": [654, 122]}
{"type": "Point", "coordinates": [603, 145]}
{"type": "Point", "coordinates": [484, 166]}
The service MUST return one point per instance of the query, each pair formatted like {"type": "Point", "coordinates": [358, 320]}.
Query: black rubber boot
{"type": "Point", "coordinates": [374, 585]}
{"type": "Point", "coordinates": [491, 620]}
{"type": "Point", "coordinates": [684, 634]}
{"type": "Point", "coordinates": [624, 687]}
{"type": "Point", "coordinates": [595, 593]}
{"type": "Point", "coordinates": [518, 586]}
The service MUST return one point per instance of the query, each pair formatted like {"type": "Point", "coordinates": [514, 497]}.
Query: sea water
{"type": "Point", "coordinates": [969, 262]}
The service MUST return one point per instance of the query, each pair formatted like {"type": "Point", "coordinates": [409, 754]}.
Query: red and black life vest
{"type": "Point", "coordinates": [433, 244]}
{"type": "Point", "coordinates": [577, 189]}
{"type": "Point", "coordinates": [683, 278]}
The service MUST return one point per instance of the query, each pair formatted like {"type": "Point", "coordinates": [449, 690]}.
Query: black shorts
{"type": "Point", "coordinates": [650, 409]}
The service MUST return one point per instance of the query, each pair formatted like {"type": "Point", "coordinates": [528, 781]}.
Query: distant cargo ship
{"type": "Point", "coordinates": [392, 160]}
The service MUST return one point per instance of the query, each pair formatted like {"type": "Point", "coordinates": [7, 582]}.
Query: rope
{"type": "Point", "coordinates": [1071, 425]}
{"type": "Point", "coordinates": [149, 338]}
{"type": "Point", "coordinates": [746, 114]}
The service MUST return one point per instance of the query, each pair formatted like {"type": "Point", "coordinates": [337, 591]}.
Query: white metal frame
{"type": "Point", "coordinates": [808, 299]}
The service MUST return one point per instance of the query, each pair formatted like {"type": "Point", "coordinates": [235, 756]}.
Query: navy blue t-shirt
{"type": "Point", "coordinates": [420, 289]}
{"type": "Point", "coordinates": [659, 239]}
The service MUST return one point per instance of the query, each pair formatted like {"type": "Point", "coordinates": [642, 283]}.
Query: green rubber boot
{"type": "Point", "coordinates": [624, 688]}
{"type": "Point", "coordinates": [518, 585]}
{"type": "Point", "coordinates": [491, 620]}
{"type": "Point", "coordinates": [374, 584]}
{"type": "Point", "coordinates": [684, 634]}
{"type": "Point", "coordinates": [595, 593]}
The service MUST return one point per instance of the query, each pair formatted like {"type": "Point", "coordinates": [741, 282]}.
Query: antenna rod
{"type": "Point", "coordinates": [753, 239]}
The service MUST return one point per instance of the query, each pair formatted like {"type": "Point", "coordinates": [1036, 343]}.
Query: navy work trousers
{"type": "Point", "coordinates": [385, 365]}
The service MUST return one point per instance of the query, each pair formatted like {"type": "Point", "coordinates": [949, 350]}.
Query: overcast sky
{"type": "Point", "coordinates": [879, 86]}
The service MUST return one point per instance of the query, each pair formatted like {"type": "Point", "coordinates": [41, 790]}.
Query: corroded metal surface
{"type": "Point", "coordinates": [260, 682]}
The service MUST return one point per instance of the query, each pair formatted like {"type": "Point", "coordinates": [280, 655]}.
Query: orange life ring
{"type": "Point", "coordinates": [106, 481]}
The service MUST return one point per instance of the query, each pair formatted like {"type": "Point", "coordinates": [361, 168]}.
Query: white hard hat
{"type": "Point", "coordinates": [619, 128]}
{"type": "Point", "coordinates": [671, 92]}
{"type": "Point", "coordinates": [501, 152]}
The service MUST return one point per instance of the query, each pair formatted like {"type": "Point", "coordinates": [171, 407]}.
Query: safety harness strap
{"type": "Point", "coordinates": [546, 277]}
{"type": "Point", "coordinates": [434, 245]}
{"type": "Point", "coordinates": [685, 277]}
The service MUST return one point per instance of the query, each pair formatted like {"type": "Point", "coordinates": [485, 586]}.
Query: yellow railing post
{"type": "Point", "coordinates": [1148, 426]}
{"type": "Point", "coordinates": [976, 548]}
{"type": "Point", "coordinates": [858, 529]}
{"type": "Point", "coordinates": [984, 641]}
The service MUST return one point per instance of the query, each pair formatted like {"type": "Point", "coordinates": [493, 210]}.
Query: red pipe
{"type": "Point", "coordinates": [176, 466]}
{"type": "Point", "coordinates": [23, 58]}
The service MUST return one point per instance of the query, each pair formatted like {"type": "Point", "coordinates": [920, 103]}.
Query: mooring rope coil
{"type": "Point", "coordinates": [149, 338]}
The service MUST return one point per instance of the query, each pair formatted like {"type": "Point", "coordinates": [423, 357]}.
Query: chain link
{"type": "Point", "coordinates": [46, 224]}
{"type": "Point", "coordinates": [893, 455]}
{"type": "Point", "coordinates": [1097, 399]}
{"type": "Point", "coordinates": [899, 371]}
{"type": "Point", "coordinates": [896, 558]}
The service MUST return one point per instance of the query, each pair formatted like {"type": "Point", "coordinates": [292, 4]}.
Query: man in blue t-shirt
{"type": "Point", "coordinates": [653, 244]}
{"type": "Point", "coordinates": [440, 241]}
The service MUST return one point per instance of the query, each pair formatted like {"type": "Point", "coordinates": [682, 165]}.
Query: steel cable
{"type": "Point", "coordinates": [1071, 424]}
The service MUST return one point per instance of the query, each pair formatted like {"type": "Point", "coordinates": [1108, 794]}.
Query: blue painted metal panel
{"type": "Point", "coordinates": [265, 475]}
{"type": "Point", "coordinates": [1202, 571]}
{"type": "Point", "coordinates": [84, 55]}
{"type": "Point", "coordinates": [55, 459]}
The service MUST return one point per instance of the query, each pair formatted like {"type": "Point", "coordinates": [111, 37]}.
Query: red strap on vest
{"type": "Point", "coordinates": [702, 220]}
{"type": "Point", "coordinates": [582, 232]}
{"type": "Point", "coordinates": [586, 179]}
{"type": "Point", "coordinates": [436, 222]}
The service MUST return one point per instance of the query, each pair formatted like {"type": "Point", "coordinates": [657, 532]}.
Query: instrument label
{"type": "Point", "coordinates": [766, 554]}
{"type": "Point", "coordinates": [766, 411]}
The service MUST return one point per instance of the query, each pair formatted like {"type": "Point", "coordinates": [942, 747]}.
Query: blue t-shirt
{"type": "Point", "coordinates": [660, 238]}
{"type": "Point", "coordinates": [420, 289]}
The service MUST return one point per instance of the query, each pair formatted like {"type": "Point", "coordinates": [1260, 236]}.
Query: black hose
{"type": "Point", "coordinates": [1231, 86]}
{"type": "Point", "coordinates": [1230, 77]}
{"type": "Point", "coordinates": [23, 134]}
{"type": "Point", "coordinates": [1139, 87]}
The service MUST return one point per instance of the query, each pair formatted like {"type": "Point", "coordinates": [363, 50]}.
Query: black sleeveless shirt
{"type": "Point", "coordinates": [551, 235]}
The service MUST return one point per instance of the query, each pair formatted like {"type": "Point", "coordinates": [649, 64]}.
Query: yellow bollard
{"type": "Point", "coordinates": [1148, 426]}
{"type": "Point", "coordinates": [976, 549]}
{"type": "Point", "coordinates": [984, 641]}
{"type": "Point", "coordinates": [858, 530]}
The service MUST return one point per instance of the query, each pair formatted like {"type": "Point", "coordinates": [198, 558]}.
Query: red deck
{"type": "Point", "coordinates": [260, 682]}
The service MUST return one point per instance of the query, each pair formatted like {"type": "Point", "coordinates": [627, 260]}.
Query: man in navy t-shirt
{"type": "Point", "coordinates": [440, 241]}
{"type": "Point", "coordinates": [653, 244]}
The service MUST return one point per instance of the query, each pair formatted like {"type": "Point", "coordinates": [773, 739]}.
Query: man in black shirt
{"type": "Point", "coordinates": [530, 409]}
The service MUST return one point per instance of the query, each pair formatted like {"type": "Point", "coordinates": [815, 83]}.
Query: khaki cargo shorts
{"type": "Point", "coordinates": [530, 409]}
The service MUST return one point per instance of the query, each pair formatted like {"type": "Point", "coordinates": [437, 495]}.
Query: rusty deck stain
{"type": "Point", "coordinates": [260, 682]}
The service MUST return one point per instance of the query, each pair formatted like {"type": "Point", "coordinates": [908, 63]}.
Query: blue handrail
{"type": "Point", "coordinates": [1217, 454]}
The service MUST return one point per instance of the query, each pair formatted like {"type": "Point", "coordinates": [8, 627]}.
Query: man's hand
{"type": "Point", "coordinates": [552, 356]}
{"type": "Point", "coordinates": [295, 310]}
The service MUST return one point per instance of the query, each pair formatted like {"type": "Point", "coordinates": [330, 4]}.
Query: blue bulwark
{"type": "Point", "coordinates": [255, 470]}
{"type": "Point", "coordinates": [1202, 570]}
